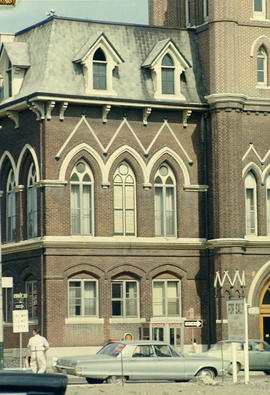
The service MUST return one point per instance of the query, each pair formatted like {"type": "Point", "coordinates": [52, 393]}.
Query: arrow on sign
{"type": "Point", "coordinates": [193, 324]}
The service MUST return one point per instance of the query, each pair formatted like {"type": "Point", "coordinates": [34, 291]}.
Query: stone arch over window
{"type": "Point", "coordinates": [124, 186]}
{"type": "Point", "coordinates": [81, 199]}
{"type": "Point", "coordinates": [251, 203]}
{"type": "Point", "coordinates": [165, 201]}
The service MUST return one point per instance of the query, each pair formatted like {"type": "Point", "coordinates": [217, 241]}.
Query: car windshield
{"type": "Point", "coordinates": [112, 349]}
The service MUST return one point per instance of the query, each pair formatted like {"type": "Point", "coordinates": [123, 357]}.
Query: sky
{"type": "Point", "coordinates": [28, 12]}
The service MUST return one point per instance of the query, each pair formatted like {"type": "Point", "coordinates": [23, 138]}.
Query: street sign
{"type": "Point", "coordinates": [193, 323]}
{"type": "Point", "coordinates": [20, 296]}
{"type": "Point", "coordinates": [236, 319]}
{"type": "Point", "coordinates": [20, 321]}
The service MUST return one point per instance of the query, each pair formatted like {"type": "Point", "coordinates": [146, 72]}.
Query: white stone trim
{"type": "Point", "coordinates": [83, 320]}
{"type": "Point", "coordinates": [127, 320]}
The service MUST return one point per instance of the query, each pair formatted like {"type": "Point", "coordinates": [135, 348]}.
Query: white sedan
{"type": "Point", "coordinates": [140, 360]}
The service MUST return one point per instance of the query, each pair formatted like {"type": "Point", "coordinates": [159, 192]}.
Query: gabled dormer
{"type": "Point", "coordinates": [14, 62]}
{"type": "Point", "coordinates": [166, 63]}
{"type": "Point", "coordinates": [98, 58]}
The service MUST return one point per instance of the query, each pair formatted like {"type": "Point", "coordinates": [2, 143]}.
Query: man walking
{"type": "Point", "coordinates": [37, 347]}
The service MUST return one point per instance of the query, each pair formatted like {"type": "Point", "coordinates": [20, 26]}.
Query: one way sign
{"type": "Point", "coordinates": [193, 323]}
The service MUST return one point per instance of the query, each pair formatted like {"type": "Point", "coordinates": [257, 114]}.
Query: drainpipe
{"type": "Point", "coordinates": [42, 301]}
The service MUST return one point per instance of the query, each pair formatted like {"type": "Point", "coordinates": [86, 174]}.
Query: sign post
{"type": "Point", "coordinates": [238, 330]}
{"type": "Point", "coordinates": [20, 319]}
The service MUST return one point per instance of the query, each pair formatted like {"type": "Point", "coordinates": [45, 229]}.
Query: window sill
{"type": "Point", "coordinates": [174, 319]}
{"type": "Point", "coordinates": [83, 320]}
{"type": "Point", "coordinates": [259, 19]}
{"type": "Point", "coordinates": [126, 320]}
{"type": "Point", "coordinates": [164, 97]}
{"type": "Point", "coordinates": [97, 92]}
{"type": "Point", "coordinates": [262, 87]}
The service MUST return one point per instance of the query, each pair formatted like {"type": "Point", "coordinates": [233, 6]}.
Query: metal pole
{"type": "Point", "coordinates": [21, 363]}
{"type": "Point", "coordinates": [246, 344]}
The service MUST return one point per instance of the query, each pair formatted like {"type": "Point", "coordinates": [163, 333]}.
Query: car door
{"type": "Point", "coordinates": [170, 365]}
{"type": "Point", "coordinates": [259, 356]}
{"type": "Point", "coordinates": [142, 365]}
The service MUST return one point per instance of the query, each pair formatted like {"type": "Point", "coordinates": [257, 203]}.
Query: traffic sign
{"type": "Point", "coordinates": [20, 296]}
{"type": "Point", "coordinates": [20, 321]}
{"type": "Point", "coordinates": [193, 323]}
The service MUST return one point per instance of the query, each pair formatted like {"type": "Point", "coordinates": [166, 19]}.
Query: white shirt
{"type": "Point", "coordinates": [37, 343]}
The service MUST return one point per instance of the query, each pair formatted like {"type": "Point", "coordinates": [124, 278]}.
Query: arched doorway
{"type": "Point", "coordinates": [265, 313]}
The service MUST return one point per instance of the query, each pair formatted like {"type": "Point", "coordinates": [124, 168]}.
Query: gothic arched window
{"type": "Point", "coordinates": [262, 66]}
{"type": "Point", "coordinates": [32, 211]}
{"type": "Point", "coordinates": [251, 204]}
{"type": "Point", "coordinates": [167, 75]}
{"type": "Point", "coordinates": [165, 202]}
{"type": "Point", "coordinates": [124, 200]}
{"type": "Point", "coordinates": [81, 199]}
{"type": "Point", "coordinates": [99, 70]}
{"type": "Point", "coordinates": [11, 208]}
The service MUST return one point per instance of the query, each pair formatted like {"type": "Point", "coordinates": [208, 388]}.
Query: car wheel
{"type": "Point", "coordinates": [116, 380]}
{"type": "Point", "coordinates": [267, 372]}
{"type": "Point", "coordinates": [93, 381]}
{"type": "Point", "coordinates": [238, 368]}
{"type": "Point", "coordinates": [206, 372]}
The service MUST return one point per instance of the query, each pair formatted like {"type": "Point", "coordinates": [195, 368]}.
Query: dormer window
{"type": "Point", "coordinates": [98, 58]}
{"type": "Point", "coordinates": [167, 75]}
{"type": "Point", "coordinates": [99, 70]}
{"type": "Point", "coordinates": [166, 63]}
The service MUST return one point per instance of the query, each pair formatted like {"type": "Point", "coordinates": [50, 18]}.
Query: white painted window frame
{"type": "Point", "coordinates": [265, 63]}
{"type": "Point", "coordinates": [259, 14]}
{"type": "Point", "coordinates": [179, 290]}
{"type": "Point", "coordinates": [124, 299]}
{"type": "Point", "coordinates": [32, 313]}
{"type": "Point", "coordinates": [251, 185]}
{"type": "Point", "coordinates": [32, 210]}
{"type": "Point", "coordinates": [11, 208]}
{"type": "Point", "coordinates": [82, 282]}
{"type": "Point", "coordinates": [81, 183]}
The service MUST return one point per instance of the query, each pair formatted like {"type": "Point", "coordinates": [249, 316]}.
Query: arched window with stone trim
{"type": "Point", "coordinates": [165, 201]}
{"type": "Point", "coordinates": [268, 203]}
{"type": "Point", "coordinates": [167, 75]}
{"type": "Point", "coordinates": [124, 187]}
{"type": "Point", "coordinates": [251, 204]}
{"type": "Point", "coordinates": [32, 210]}
{"type": "Point", "coordinates": [262, 61]}
{"type": "Point", "coordinates": [11, 207]}
{"type": "Point", "coordinates": [99, 70]}
{"type": "Point", "coordinates": [81, 199]}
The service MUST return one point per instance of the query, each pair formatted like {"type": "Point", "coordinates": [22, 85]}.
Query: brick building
{"type": "Point", "coordinates": [135, 164]}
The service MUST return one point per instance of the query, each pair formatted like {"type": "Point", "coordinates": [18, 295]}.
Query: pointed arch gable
{"type": "Point", "coordinates": [29, 148]}
{"type": "Point", "coordinates": [120, 268]}
{"type": "Point", "coordinates": [170, 268]}
{"type": "Point", "coordinates": [262, 40]}
{"type": "Point", "coordinates": [7, 155]}
{"type": "Point", "coordinates": [254, 169]}
{"type": "Point", "coordinates": [258, 283]}
{"type": "Point", "coordinates": [116, 154]}
{"type": "Point", "coordinates": [82, 267]}
{"type": "Point", "coordinates": [74, 152]}
{"type": "Point", "coordinates": [175, 156]}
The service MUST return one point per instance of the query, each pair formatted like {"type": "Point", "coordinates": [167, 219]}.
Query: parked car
{"type": "Point", "coordinates": [139, 360]}
{"type": "Point", "coordinates": [25, 382]}
{"type": "Point", "coordinates": [258, 352]}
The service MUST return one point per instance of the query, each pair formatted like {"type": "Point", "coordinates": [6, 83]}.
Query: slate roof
{"type": "Point", "coordinates": [55, 43]}
{"type": "Point", "coordinates": [18, 53]}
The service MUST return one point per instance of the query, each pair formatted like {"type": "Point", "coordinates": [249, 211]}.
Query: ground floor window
{"type": "Point", "coordinates": [125, 302]}
{"type": "Point", "coordinates": [7, 304]}
{"type": "Point", "coordinates": [32, 298]}
{"type": "Point", "coordinates": [82, 298]}
{"type": "Point", "coordinates": [166, 297]}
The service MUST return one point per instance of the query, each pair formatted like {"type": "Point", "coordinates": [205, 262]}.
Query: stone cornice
{"type": "Point", "coordinates": [238, 101]}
